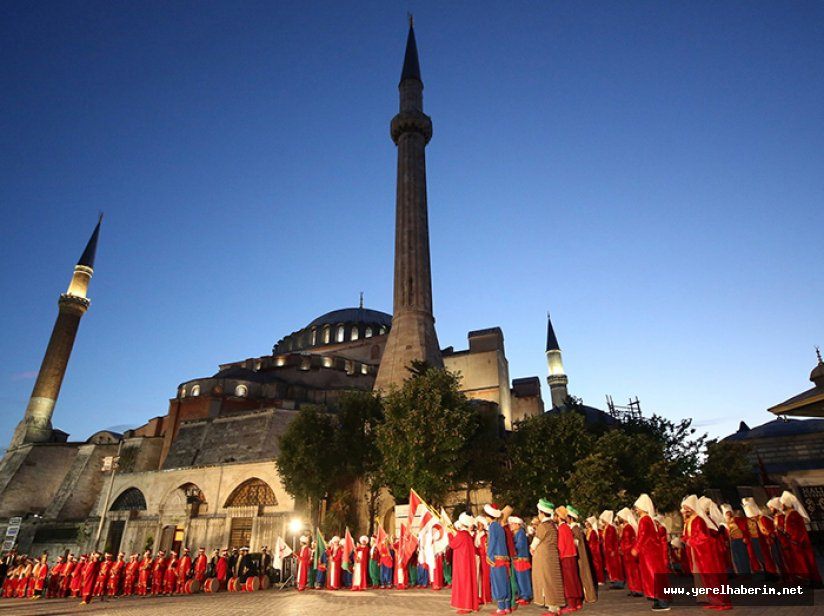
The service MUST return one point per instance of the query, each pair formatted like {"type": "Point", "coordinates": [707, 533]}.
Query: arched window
{"type": "Point", "coordinates": [182, 392]}
{"type": "Point", "coordinates": [368, 332]}
{"type": "Point", "coordinates": [382, 330]}
{"type": "Point", "coordinates": [196, 390]}
{"type": "Point", "coordinates": [130, 500]}
{"type": "Point", "coordinates": [339, 336]}
{"type": "Point", "coordinates": [241, 391]}
{"type": "Point", "coordinates": [326, 335]}
{"type": "Point", "coordinates": [354, 333]}
{"type": "Point", "coordinates": [251, 493]}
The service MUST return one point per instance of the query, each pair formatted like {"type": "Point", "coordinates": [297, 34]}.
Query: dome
{"type": "Point", "coordinates": [342, 326]}
{"type": "Point", "coordinates": [353, 315]}
{"type": "Point", "coordinates": [817, 375]}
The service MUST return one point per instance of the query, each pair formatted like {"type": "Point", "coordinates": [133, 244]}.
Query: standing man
{"type": "Point", "coordinates": [184, 571]}
{"type": "Point", "coordinates": [464, 596]}
{"type": "Point", "coordinates": [627, 525]}
{"type": "Point", "coordinates": [547, 580]}
{"type": "Point", "coordinates": [573, 591]}
{"type": "Point", "coordinates": [89, 580]}
{"type": "Point", "coordinates": [158, 573]}
{"type": "Point", "coordinates": [497, 557]}
{"type": "Point", "coordinates": [803, 566]}
{"type": "Point", "coordinates": [222, 569]}
{"type": "Point", "coordinates": [360, 569]}
{"type": "Point", "coordinates": [584, 566]}
{"type": "Point", "coordinates": [650, 556]}
{"type": "Point", "coordinates": [200, 565]}
{"type": "Point", "coordinates": [244, 568]}
{"type": "Point", "coordinates": [103, 577]}
{"type": "Point", "coordinates": [144, 574]}
{"type": "Point", "coordinates": [115, 574]}
{"type": "Point", "coordinates": [521, 562]}
{"type": "Point", "coordinates": [334, 561]}
{"type": "Point", "coordinates": [304, 558]}
{"type": "Point", "coordinates": [593, 538]}
{"type": "Point", "coordinates": [612, 550]}
{"type": "Point", "coordinates": [130, 576]}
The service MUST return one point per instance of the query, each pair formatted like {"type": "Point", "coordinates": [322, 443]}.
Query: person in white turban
{"type": "Point", "coordinates": [650, 554]}
{"type": "Point", "coordinates": [612, 550]}
{"type": "Point", "coordinates": [628, 527]}
{"type": "Point", "coordinates": [464, 595]}
{"type": "Point", "coordinates": [707, 560]}
{"type": "Point", "coordinates": [801, 563]}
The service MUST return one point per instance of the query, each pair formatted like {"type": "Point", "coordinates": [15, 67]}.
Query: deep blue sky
{"type": "Point", "coordinates": [651, 172]}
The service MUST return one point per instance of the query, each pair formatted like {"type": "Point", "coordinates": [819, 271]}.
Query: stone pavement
{"type": "Point", "coordinates": [367, 603]}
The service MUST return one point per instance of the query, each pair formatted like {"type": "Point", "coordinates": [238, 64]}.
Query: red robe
{"type": "Point", "coordinates": [201, 562]}
{"type": "Point", "coordinates": [90, 572]}
{"type": "Point", "coordinates": [222, 570]}
{"type": "Point", "coordinates": [115, 574]}
{"type": "Point", "coordinates": [144, 576]}
{"type": "Point", "coordinates": [630, 562]}
{"type": "Point", "coordinates": [183, 568]}
{"type": "Point", "coordinates": [573, 590]}
{"type": "Point", "coordinates": [170, 577]}
{"type": "Point", "coordinates": [40, 577]}
{"type": "Point", "coordinates": [705, 558]}
{"type": "Point", "coordinates": [66, 579]}
{"type": "Point", "coordinates": [77, 578]}
{"type": "Point", "coordinates": [158, 575]}
{"type": "Point", "coordinates": [651, 563]}
{"type": "Point", "coordinates": [766, 532]}
{"type": "Point", "coordinates": [663, 538]}
{"type": "Point", "coordinates": [334, 560]}
{"type": "Point", "coordinates": [304, 564]}
{"type": "Point", "coordinates": [102, 578]}
{"type": "Point", "coordinates": [54, 581]}
{"type": "Point", "coordinates": [612, 554]}
{"type": "Point", "coordinates": [801, 558]}
{"type": "Point", "coordinates": [464, 576]}
{"type": "Point", "coordinates": [744, 525]}
{"type": "Point", "coordinates": [360, 568]}
{"type": "Point", "coordinates": [484, 580]}
{"type": "Point", "coordinates": [594, 541]}
{"type": "Point", "coordinates": [130, 577]}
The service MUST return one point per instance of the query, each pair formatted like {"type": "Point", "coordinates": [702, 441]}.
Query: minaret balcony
{"type": "Point", "coordinates": [411, 122]}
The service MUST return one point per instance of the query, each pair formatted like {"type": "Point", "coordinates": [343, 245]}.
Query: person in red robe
{"type": "Point", "coordinates": [334, 562]}
{"type": "Point", "coordinates": [360, 569]}
{"type": "Point", "coordinates": [648, 550]}
{"type": "Point", "coordinates": [158, 573]}
{"type": "Point", "coordinates": [116, 575]}
{"type": "Point", "coordinates": [464, 594]}
{"type": "Point", "coordinates": [743, 525]}
{"type": "Point", "coordinates": [76, 584]}
{"type": "Point", "coordinates": [69, 566]}
{"type": "Point", "coordinates": [200, 565]}
{"type": "Point", "coordinates": [780, 544]}
{"type": "Point", "coordinates": [90, 573]}
{"type": "Point", "coordinates": [568, 552]}
{"type": "Point", "coordinates": [593, 538]}
{"type": "Point", "coordinates": [704, 556]}
{"type": "Point", "coordinates": [170, 575]}
{"type": "Point", "coordinates": [222, 569]}
{"type": "Point", "coordinates": [612, 550]}
{"type": "Point", "coordinates": [184, 571]}
{"type": "Point", "coordinates": [304, 560]}
{"type": "Point", "coordinates": [753, 514]}
{"type": "Point", "coordinates": [484, 581]}
{"type": "Point", "coordinates": [144, 574]}
{"type": "Point", "coordinates": [802, 565]}
{"type": "Point", "coordinates": [24, 581]}
{"type": "Point", "coordinates": [103, 576]}
{"type": "Point", "coordinates": [55, 575]}
{"type": "Point", "coordinates": [627, 525]}
{"type": "Point", "coordinates": [663, 537]}
{"type": "Point", "coordinates": [40, 575]}
{"type": "Point", "coordinates": [130, 575]}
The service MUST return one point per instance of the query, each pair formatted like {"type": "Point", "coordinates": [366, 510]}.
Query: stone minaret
{"type": "Point", "coordinates": [412, 336]}
{"type": "Point", "coordinates": [36, 426]}
{"type": "Point", "coordinates": [557, 379]}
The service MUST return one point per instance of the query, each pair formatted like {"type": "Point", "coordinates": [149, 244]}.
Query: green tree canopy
{"type": "Point", "coordinates": [727, 465]}
{"type": "Point", "coordinates": [423, 439]}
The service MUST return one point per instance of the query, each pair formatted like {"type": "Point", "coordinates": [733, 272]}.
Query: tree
{"type": "Point", "coordinates": [485, 450]}
{"type": "Point", "coordinates": [423, 438]}
{"type": "Point", "coordinates": [307, 461]}
{"type": "Point", "coordinates": [727, 465]}
{"type": "Point", "coordinates": [543, 451]}
{"type": "Point", "coordinates": [594, 484]}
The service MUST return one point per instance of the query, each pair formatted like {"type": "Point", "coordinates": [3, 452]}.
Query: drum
{"type": "Point", "coordinates": [265, 582]}
{"type": "Point", "coordinates": [192, 586]}
{"type": "Point", "coordinates": [233, 584]}
{"type": "Point", "coordinates": [252, 584]}
{"type": "Point", "coordinates": [211, 585]}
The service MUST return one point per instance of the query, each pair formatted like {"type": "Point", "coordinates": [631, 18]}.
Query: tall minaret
{"type": "Point", "coordinates": [36, 426]}
{"type": "Point", "coordinates": [412, 336]}
{"type": "Point", "coordinates": [557, 379]}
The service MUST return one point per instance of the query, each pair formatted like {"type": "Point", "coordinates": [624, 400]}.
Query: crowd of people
{"type": "Point", "coordinates": [102, 575]}
{"type": "Point", "coordinates": [558, 560]}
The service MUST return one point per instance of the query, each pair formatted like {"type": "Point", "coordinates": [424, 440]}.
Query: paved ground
{"type": "Point", "coordinates": [368, 603]}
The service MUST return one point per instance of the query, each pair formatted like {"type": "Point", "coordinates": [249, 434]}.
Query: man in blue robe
{"type": "Point", "coordinates": [521, 561]}
{"type": "Point", "coordinates": [497, 555]}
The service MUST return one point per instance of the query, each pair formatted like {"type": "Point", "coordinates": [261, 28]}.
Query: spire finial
{"type": "Point", "coordinates": [411, 66]}
{"type": "Point", "coordinates": [87, 258]}
{"type": "Point", "coordinates": [361, 299]}
{"type": "Point", "coordinates": [551, 339]}
{"type": "Point", "coordinates": [411, 18]}
{"type": "Point", "coordinates": [818, 354]}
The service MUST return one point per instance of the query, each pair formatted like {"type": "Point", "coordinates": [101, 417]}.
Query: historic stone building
{"type": "Point", "coordinates": [203, 472]}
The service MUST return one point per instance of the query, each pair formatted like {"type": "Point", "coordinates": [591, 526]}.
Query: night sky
{"type": "Point", "coordinates": [650, 172]}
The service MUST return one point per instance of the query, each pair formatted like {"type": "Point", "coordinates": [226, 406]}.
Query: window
{"type": "Point", "coordinates": [354, 334]}
{"type": "Point", "coordinates": [250, 493]}
{"type": "Point", "coordinates": [130, 500]}
{"type": "Point", "coordinates": [326, 335]}
{"type": "Point", "coordinates": [182, 392]}
{"type": "Point", "coordinates": [339, 335]}
{"type": "Point", "coordinates": [314, 336]}
{"type": "Point", "coordinates": [241, 391]}
{"type": "Point", "coordinates": [382, 330]}
{"type": "Point", "coordinates": [196, 390]}
{"type": "Point", "coordinates": [240, 534]}
{"type": "Point", "coordinates": [367, 333]}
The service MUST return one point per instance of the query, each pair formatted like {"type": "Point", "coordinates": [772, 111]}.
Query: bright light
{"type": "Point", "coordinates": [295, 526]}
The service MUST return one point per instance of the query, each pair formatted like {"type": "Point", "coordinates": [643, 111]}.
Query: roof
{"type": "Point", "coordinates": [353, 315]}
{"type": "Point", "coordinates": [87, 258]}
{"type": "Point", "coordinates": [411, 66]}
{"type": "Point", "coordinates": [808, 403]}
{"type": "Point", "coordinates": [778, 428]}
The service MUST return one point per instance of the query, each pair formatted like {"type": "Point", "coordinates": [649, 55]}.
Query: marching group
{"type": "Point", "coordinates": [555, 561]}
{"type": "Point", "coordinates": [102, 576]}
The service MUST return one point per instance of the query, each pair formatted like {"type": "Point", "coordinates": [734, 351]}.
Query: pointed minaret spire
{"type": "Point", "coordinates": [557, 378]}
{"type": "Point", "coordinates": [36, 426]}
{"type": "Point", "coordinates": [411, 66]}
{"type": "Point", "coordinates": [412, 337]}
{"type": "Point", "coordinates": [87, 258]}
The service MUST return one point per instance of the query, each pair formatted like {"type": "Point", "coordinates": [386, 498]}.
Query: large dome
{"type": "Point", "coordinates": [342, 326]}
